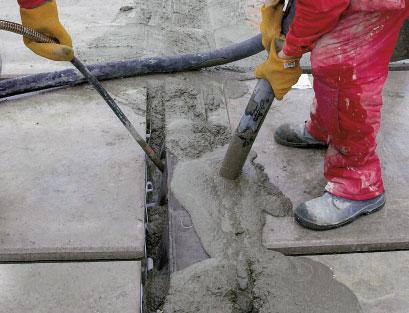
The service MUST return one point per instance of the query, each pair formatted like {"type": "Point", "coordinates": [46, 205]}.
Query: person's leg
{"type": "Point", "coordinates": [350, 67]}
{"type": "Point", "coordinates": [352, 167]}
{"type": "Point", "coordinates": [317, 125]}
{"type": "Point", "coordinates": [321, 115]}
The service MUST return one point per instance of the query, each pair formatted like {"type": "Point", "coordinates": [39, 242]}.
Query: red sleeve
{"type": "Point", "coordinates": [312, 20]}
{"type": "Point", "coordinates": [29, 4]}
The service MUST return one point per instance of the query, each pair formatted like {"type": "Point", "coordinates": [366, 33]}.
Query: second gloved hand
{"type": "Point", "coordinates": [281, 74]}
{"type": "Point", "coordinates": [271, 19]}
{"type": "Point", "coordinates": [44, 19]}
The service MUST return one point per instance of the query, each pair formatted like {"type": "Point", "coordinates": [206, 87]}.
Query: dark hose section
{"type": "Point", "coordinates": [134, 67]}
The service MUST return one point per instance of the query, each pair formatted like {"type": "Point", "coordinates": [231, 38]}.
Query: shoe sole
{"type": "Point", "coordinates": [283, 142]}
{"type": "Point", "coordinates": [312, 226]}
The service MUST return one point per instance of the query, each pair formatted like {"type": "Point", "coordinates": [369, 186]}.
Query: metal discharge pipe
{"type": "Point", "coordinates": [254, 115]}
{"type": "Point", "coordinates": [247, 131]}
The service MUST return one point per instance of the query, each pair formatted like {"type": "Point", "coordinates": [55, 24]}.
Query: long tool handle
{"type": "Point", "coordinates": [119, 113]}
{"type": "Point", "coordinates": [38, 37]}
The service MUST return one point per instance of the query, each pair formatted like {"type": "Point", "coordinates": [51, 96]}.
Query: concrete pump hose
{"type": "Point", "coordinates": [128, 68]}
{"type": "Point", "coordinates": [136, 67]}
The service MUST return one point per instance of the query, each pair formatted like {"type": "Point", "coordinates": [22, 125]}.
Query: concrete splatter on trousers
{"type": "Point", "coordinates": [350, 67]}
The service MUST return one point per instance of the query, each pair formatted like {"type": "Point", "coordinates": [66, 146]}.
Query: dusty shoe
{"type": "Point", "coordinates": [296, 136]}
{"type": "Point", "coordinates": [329, 211]}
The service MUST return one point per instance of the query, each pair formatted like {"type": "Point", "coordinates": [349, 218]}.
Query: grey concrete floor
{"type": "Point", "coordinates": [100, 33]}
{"type": "Point", "coordinates": [93, 287]}
{"type": "Point", "coordinates": [379, 280]}
{"type": "Point", "coordinates": [84, 22]}
{"type": "Point", "coordinates": [72, 189]}
{"type": "Point", "coordinates": [72, 177]}
{"type": "Point", "coordinates": [105, 34]}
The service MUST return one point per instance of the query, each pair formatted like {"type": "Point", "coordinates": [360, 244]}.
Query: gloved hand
{"type": "Point", "coordinates": [280, 73]}
{"type": "Point", "coordinates": [271, 19]}
{"type": "Point", "coordinates": [44, 19]}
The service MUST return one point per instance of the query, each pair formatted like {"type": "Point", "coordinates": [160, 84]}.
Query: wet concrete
{"type": "Point", "coordinates": [198, 123]}
{"type": "Point", "coordinates": [185, 246]}
{"type": "Point", "coordinates": [299, 175]}
{"type": "Point", "coordinates": [380, 280]}
{"type": "Point", "coordinates": [218, 261]}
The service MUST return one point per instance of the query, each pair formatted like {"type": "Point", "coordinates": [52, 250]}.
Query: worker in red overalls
{"type": "Point", "coordinates": [351, 43]}
{"type": "Point", "coordinates": [42, 15]}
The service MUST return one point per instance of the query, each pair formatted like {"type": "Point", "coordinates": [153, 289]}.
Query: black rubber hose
{"type": "Point", "coordinates": [134, 67]}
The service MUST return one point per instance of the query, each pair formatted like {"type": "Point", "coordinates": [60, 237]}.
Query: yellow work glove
{"type": "Point", "coordinates": [281, 74]}
{"type": "Point", "coordinates": [271, 19]}
{"type": "Point", "coordinates": [44, 19]}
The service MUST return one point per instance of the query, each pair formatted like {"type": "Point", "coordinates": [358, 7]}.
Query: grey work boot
{"type": "Point", "coordinates": [328, 211]}
{"type": "Point", "coordinates": [296, 136]}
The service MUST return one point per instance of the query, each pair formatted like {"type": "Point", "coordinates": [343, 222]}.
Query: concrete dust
{"type": "Point", "coordinates": [171, 27]}
{"type": "Point", "coordinates": [243, 276]}
{"type": "Point", "coordinates": [196, 115]}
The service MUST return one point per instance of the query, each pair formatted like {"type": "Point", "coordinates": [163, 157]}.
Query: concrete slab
{"type": "Point", "coordinates": [299, 175]}
{"type": "Point", "coordinates": [102, 287]}
{"type": "Point", "coordinates": [72, 177]}
{"type": "Point", "coordinates": [379, 280]}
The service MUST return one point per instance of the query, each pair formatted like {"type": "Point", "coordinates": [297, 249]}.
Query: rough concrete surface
{"type": "Point", "coordinates": [298, 174]}
{"type": "Point", "coordinates": [133, 28]}
{"type": "Point", "coordinates": [103, 287]}
{"type": "Point", "coordinates": [196, 123]}
{"type": "Point", "coordinates": [241, 275]}
{"type": "Point", "coordinates": [72, 177]}
{"type": "Point", "coordinates": [80, 17]}
{"type": "Point", "coordinates": [379, 280]}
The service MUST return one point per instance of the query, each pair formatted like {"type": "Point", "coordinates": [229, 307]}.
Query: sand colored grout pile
{"type": "Point", "coordinates": [228, 216]}
{"type": "Point", "coordinates": [243, 276]}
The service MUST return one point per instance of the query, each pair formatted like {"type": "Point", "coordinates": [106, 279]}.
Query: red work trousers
{"type": "Point", "coordinates": [350, 67]}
